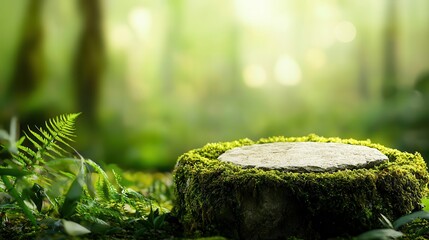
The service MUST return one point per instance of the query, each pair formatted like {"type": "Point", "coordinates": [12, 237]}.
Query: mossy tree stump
{"type": "Point", "coordinates": [309, 187]}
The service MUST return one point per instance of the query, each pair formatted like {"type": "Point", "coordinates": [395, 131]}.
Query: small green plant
{"type": "Point", "coordinates": [153, 223]}
{"type": "Point", "coordinates": [58, 191]}
{"type": "Point", "coordinates": [396, 229]}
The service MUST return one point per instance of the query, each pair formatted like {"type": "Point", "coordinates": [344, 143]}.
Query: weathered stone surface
{"type": "Point", "coordinates": [304, 156]}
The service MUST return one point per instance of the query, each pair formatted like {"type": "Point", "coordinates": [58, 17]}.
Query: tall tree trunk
{"type": "Point", "coordinates": [89, 60]}
{"type": "Point", "coordinates": [389, 87]}
{"type": "Point", "coordinates": [29, 68]}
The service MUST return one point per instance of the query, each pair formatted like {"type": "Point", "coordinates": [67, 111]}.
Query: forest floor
{"type": "Point", "coordinates": [147, 217]}
{"type": "Point", "coordinates": [124, 219]}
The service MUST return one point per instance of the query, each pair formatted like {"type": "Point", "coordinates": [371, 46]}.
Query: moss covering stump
{"type": "Point", "coordinates": [302, 188]}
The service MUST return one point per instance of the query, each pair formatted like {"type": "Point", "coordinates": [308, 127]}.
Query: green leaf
{"type": "Point", "coordinates": [380, 234]}
{"type": "Point", "coordinates": [386, 222]}
{"type": "Point", "coordinates": [14, 193]}
{"type": "Point", "coordinates": [409, 218]}
{"type": "Point", "coordinates": [99, 226]}
{"type": "Point", "coordinates": [46, 142]}
{"type": "Point", "coordinates": [74, 229]}
{"type": "Point", "coordinates": [74, 194]}
{"type": "Point", "coordinates": [159, 221]}
{"type": "Point", "coordinates": [103, 186]}
{"type": "Point", "coordinates": [37, 196]}
{"type": "Point", "coordinates": [13, 172]}
{"type": "Point", "coordinates": [13, 135]}
{"type": "Point", "coordinates": [152, 215]}
{"type": "Point", "coordinates": [34, 142]}
{"type": "Point", "coordinates": [4, 135]}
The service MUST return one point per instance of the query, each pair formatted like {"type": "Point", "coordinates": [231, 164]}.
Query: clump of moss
{"type": "Point", "coordinates": [210, 193]}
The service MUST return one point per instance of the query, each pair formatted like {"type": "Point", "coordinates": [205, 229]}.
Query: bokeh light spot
{"type": "Point", "coordinates": [140, 20]}
{"type": "Point", "coordinates": [316, 58]}
{"type": "Point", "coordinates": [254, 12]}
{"type": "Point", "coordinates": [287, 71]}
{"type": "Point", "coordinates": [120, 36]}
{"type": "Point", "coordinates": [254, 76]}
{"type": "Point", "coordinates": [345, 31]}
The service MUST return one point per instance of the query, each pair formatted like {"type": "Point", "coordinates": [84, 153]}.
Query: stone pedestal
{"type": "Point", "coordinates": [273, 212]}
{"type": "Point", "coordinates": [304, 156]}
{"type": "Point", "coordinates": [280, 188]}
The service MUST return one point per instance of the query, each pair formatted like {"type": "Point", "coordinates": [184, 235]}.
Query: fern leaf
{"type": "Point", "coordinates": [49, 143]}
{"type": "Point", "coordinates": [118, 180]}
{"type": "Point", "coordinates": [58, 150]}
{"type": "Point", "coordinates": [103, 186]}
{"type": "Point", "coordinates": [34, 142]}
{"type": "Point", "coordinates": [25, 155]}
{"type": "Point", "coordinates": [61, 133]}
{"type": "Point", "coordinates": [47, 155]}
{"type": "Point", "coordinates": [45, 134]}
{"type": "Point", "coordinates": [19, 160]}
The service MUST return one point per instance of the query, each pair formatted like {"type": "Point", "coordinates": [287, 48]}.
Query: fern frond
{"type": "Point", "coordinates": [103, 186]}
{"type": "Point", "coordinates": [49, 142]}
{"type": "Point", "coordinates": [118, 180]}
{"type": "Point", "coordinates": [22, 157]}
{"type": "Point", "coordinates": [37, 136]}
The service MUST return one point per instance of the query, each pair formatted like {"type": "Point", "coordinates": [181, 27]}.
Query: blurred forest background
{"type": "Point", "coordinates": [156, 78]}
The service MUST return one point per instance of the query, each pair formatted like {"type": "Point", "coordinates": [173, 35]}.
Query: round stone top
{"type": "Point", "coordinates": [304, 156]}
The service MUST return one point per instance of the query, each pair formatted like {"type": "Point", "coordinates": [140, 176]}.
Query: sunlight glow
{"type": "Point", "coordinates": [324, 37]}
{"type": "Point", "coordinates": [254, 76]}
{"type": "Point", "coordinates": [119, 36]}
{"type": "Point", "coordinates": [316, 58]}
{"type": "Point", "coordinates": [254, 12]}
{"type": "Point", "coordinates": [140, 20]}
{"type": "Point", "coordinates": [287, 71]}
{"type": "Point", "coordinates": [345, 31]}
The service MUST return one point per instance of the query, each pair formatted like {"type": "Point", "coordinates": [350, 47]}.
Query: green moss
{"type": "Point", "coordinates": [210, 192]}
{"type": "Point", "coordinates": [416, 230]}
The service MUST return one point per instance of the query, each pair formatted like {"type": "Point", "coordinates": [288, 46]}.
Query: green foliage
{"type": "Point", "coordinates": [14, 193]}
{"type": "Point", "coordinates": [26, 161]}
{"type": "Point", "coordinates": [152, 224]}
{"type": "Point", "coordinates": [49, 143]}
{"type": "Point", "coordinates": [380, 234]}
{"type": "Point", "coordinates": [60, 193]}
{"type": "Point", "coordinates": [72, 197]}
{"type": "Point", "coordinates": [406, 226]}
{"type": "Point", "coordinates": [409, 218]}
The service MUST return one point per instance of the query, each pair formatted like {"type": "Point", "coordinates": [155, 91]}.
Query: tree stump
{"type": "Point", "coordinates": [309, 187]}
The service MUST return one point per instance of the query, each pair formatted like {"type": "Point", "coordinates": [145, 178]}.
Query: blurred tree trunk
{"type": "Point", "coordinates": [172, 43]}
{"type": "Point", "coordinates": [29, 68]}
{"type": "Point", "coordinates": [89, 59]}
{"type": "Point", "coordinates": [363, 77]}
{"type": "Point", "coordinates": [389, 87]}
